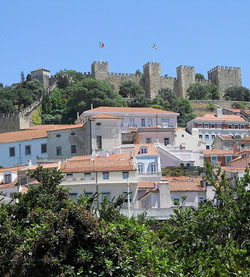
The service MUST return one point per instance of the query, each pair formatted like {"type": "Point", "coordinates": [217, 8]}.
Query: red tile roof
{"type": "Point", "coordinates": [35, 132]}
{"type": "Point", "coordinates": [12, 168]}
{"type": "Point", "coordinates": [129, 110]}
{"type": "Point", "coordinates": [208, 152]}
{"type": "Point", "coordinates": [151, 150]}
{"type": "Point", "coordinates": [224, 117]}
{"type": "Point", "coordinates": [104, 116]}
{"type": "Point", "coordinates": [230, 138]}
{"type": "Point", "coordinates": [186, 186]}
{"type": "Point", "coordinates": [146, 185]}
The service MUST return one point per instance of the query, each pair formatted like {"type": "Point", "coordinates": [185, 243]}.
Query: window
{"type": "Point", "coordinates": [236, 126]}
{"type": "Point", "coordinates": [165, 122]}
{"type": "Point", "coordinates": [72, 133]}
{"type": "Point", "coordinates": [200, 125]}
{"type": "Point", "coordinates": [59, 150]}
{"type": "Point", "coordinates": [148, 140]}
{"type": "Point", "coordinates": [229, 159]}
{"type": "Point", "coordinates": [150, 123]}
{"type": "Point", "coordinates": [182, 136]}
{"type": "Point", "coordinates": [125, 193]}
{"type": "Point", "coordinates": [73, 196]}
{"type": "Point", "coordinates": [183, 146]}
{"type": "Point", "coordinates": [105, 175]}
{"type": "Point", "coordinates": [207, 147]}
{"type": "Point", "coordinates": [27, 149]}
{"type": "Point", "coordinates": [7, 178]}
{"type": "Point", "coordinates": [73, 149]}
{"type": "Point", "coordinates": [140, 168]}
{"type": "Point", "coordinates": [88, 194]}
{"type": "Point", "coordinates": [206, 125]}
{"type": "Point", "coordinates": [87, 176]}
{"type": "Point", "coordinates": [219, 125]}
{"type": "Point", "coordinates": [206, 136]}
{"type": "Point", "coordinates": [143, 150]}
{"type": "Point", "coordinates": [44, 148]}
{"type": "Point", "coordinates": [23, 180]}
{"type": "Point", "coordinates": [212, 125]}
{"type": "Point", "coordinates": [125, 175]}
{"type": "Point", "coordinates": [166, 141]}
{"type": "Point", "coordinates": [69, 177]}
{"type": "Point", "coordinates": [99, 142]}
{"type": "Point", "coordinates": [201, 199]}
{"type": "Point", "coordinates": [131, 122]}
{"type": "Point", "coordinates": [242, 126]}
{"type": "Point", "coordinates": [230, 126]}
{"type": "Point", "coordinates": [152, 168]}
{"type": "Point", "coordinates": [106, 195]}
{"type": "Point", "coordinates": [58, 135]}
{"type": "Point", "coordinates": [214, 160]}
{"type": "Point", "coordinates": [213, 136]}
{"type": "Point", "coordinates": [200, 136]}
{"type": "Point", "coordinates": [12, 151]}
{"type": "Point", "coordinates": [143, 122]}
{"type": "Point", "coordinates": [176, 201]}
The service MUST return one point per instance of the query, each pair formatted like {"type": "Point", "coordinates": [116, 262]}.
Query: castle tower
{"type": "Point", "coordinates": [225, 77]}
{"type": "Point", "coordinates": [42, 75]}
{"type": "Point", "coordinates": [152, 75]}
{"type": "Point", "coordinates": [185, 77]}
{"type": "Point", "coordinates": [100, 70]}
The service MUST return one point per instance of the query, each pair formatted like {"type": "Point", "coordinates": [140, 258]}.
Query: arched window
{"type": "Point", "coordinates": [143, 150]}
{"type": "Point", "coordinates": [140, 167]}
{"type": "Point", "coordinates": [152, 168]}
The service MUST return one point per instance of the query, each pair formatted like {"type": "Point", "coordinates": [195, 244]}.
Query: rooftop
{"type": "Point", "coordinates": [105, 116]}
{"type": "Point", "coordinates": [211, 152]}
{"type": "Point", "coordinates": [151, 150]}
{"type": "Point", "coordinates": [129, 110]}
{"type": "Point", "coordinates": [224, 117]}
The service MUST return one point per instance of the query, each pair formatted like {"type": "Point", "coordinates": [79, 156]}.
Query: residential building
{"type": "Point", "coordinates": [219, 157]}
{"type": "Point", "coordinates": [134, 117]}
{"type": "Point", "coordinates": [207, 127]}
{"type": "Point", "coordinates": [235, 143]}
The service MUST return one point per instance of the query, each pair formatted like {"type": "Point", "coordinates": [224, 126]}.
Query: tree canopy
{"type": "Point", "coordinates": [237, 94]}
{"type": "Point", "coordinates": [45, 233]}
{"type": "Point", "coordinates": [18, 97]}
{"type": "Point", "coordinates": [203, 92]}
{"type": "Point", "coordinates": [167, 100]}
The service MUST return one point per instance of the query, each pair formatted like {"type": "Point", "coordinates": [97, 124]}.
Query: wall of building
{"type": "Point", "coordinates": [65, 139]}
{"type": "Point", "coordinates": [20, 158]}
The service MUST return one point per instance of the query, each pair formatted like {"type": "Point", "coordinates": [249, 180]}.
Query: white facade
{"type": "Point", "coordinates": [20, 152]}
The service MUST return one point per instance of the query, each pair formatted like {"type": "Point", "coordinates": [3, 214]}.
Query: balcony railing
{"type": "Point", "coordinates": [149, 173]}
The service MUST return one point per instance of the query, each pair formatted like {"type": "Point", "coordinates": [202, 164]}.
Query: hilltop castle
{"type": "Point", "coordinates": [151, 80]}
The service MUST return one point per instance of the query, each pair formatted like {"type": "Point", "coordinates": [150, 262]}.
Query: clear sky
{"type": "Point", "coordinates": [65, 34]}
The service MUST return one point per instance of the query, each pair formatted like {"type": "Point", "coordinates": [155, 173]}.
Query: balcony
{"type": "Point", "coordinates": [149, 174]}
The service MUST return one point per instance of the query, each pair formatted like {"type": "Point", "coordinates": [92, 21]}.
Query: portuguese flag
{"type": "Point", "coordinates": [101, 44]}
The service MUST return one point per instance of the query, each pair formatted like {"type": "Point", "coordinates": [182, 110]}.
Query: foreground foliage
{"type": "Point", "coordinates": [47, 234]}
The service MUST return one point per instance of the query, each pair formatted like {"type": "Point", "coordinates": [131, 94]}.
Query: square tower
{"type": "Point", "coordinates": [100, 70]}
{"type": "Point", "coordinates": [152, 75]}
{"type": "Point", "coordinates": [42, 75]}
{"type": "Point", "coordinates": [185, 77]}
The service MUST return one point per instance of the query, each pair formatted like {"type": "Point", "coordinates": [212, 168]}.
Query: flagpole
{"type": "Point", "coordinates": [152, 54]}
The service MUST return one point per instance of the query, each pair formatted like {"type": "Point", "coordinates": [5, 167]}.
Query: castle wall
{"type": "Point", "coordinates": [185, 77]}
{"type": "Point", "coordinates": [116, 79]}
{"type": "Point", "coordinates": [225, 77]}
{"type": "Point", "coordinates": [9, 122]}
{"type": "Point", "coordinates": [168, 82]}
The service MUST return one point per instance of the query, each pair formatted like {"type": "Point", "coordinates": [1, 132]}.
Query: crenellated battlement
{"type": "Point", "coordinates": [168, 78]}
{"type": "Point", "coordinates": [224, 68]}
{"type": "Point", "coordinates": [185, 67]}
{"type": "Point", "coordinates": [87, 74]}
{"type": "Point", "coordinates": [202, 81]}
{"type": "Point", "coordinates": [98, 62]}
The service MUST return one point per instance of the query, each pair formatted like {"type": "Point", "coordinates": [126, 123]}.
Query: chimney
{"type": "Point", "coordinates": [29, 163]}
{"type": "Point", "coordinates": [77, 115]}
{"type": "Point", "coordinates": [219, 112]}
{"type": "Point", "coordinates": [93, 156]}
{"type": "Point", "coordinates": [91, 106]}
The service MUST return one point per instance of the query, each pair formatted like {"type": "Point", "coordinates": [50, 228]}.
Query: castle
{"type": "Point", "coordinates": [151, 80]}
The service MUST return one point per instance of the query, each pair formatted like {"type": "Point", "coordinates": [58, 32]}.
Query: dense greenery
{"type": "Point", "coordinates": [129, 89]}
{"type": "Point", "coordinates": [46, 234]}
{"type": "Point", "coordinates": [167, 100]}
{"type": "Point", "coordinates": [203, 92]}
{"type": "Point", "coordinates": [16, 98]}
{"type": "Point", "coordinates": [237, 94]}
{"type": "Point", "coordinates": [64, 103]}
{"type": "Point", "coordinates": [199, 76]}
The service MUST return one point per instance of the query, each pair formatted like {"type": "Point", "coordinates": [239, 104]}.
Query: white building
{"type": "Point", "coordinates": [207, 127]}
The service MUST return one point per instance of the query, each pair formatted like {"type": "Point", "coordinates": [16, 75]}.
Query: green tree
{"type": "Point", "coordinates": [196, 92]}
{"type": "Point", "coordinates": [212, 92]}
{"type": "Point", "coordinates": [199, 76]}
{"type": "Point", "coordinates": [6, 106]}
{"type": "Point", "coordinates": [129, 89]}
{"type": "Point", "coordinates": [167, 100]}
{"type": "Point", "coordinates": [237, 94]}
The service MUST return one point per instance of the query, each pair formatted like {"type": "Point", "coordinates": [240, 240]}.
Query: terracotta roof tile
{"type": "Point", "coordinates": [35, 132]}
{"type": "Point", "coordinates": [146, 185]}
{"type": "Point", "coordinates": [110, 157]}
{"type": "Point", "coordinates": [151, 149]}
{"type": "Point", "coordinates": [9, 185]}
{"type": "Point", "coordinates": [104, 116]}
{"type": "Point", "coordinates": [12, 168]}
{"type": "Point", "coordinates": [186, 186]}
{"type": "Point", "coordinates": [224, 117]}
{"type": "Point", "coordinates": [208, 152]}
{"type": "Point", "coordinates": [128, 110]}
{"type": "Point", "coordinates": [234, 139]}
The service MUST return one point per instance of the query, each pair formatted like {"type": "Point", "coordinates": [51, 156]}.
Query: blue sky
{"type": "Point", "coordinates": [59, 34]}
